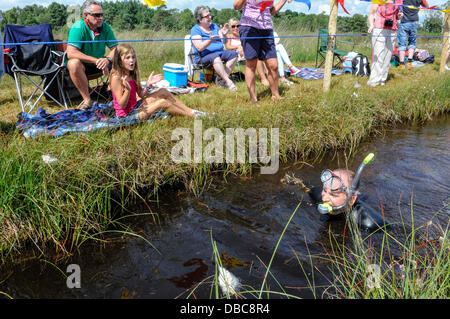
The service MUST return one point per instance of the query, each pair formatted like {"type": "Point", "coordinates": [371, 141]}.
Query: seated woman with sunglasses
{"type": "Point", "coordinates": [338, 196]}
{"type": "Point", "coordinates": [206, 40]}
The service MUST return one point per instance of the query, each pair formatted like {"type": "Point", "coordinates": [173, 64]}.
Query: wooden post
{"type": "Point", "coordinates": [446, 42]}
{"type": "Point", "coordinates": [329, 58]}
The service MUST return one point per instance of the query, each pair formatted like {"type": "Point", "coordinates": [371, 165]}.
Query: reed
{"type": "Point", "coordinates": [410, 265]}
{"type": "Point", "coordinates": [100, 174]}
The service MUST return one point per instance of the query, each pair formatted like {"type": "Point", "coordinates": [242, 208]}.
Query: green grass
{"type": "Point", "coordinates": [100, 174]}
{"type": "Point", "coordinates": [414, 265]}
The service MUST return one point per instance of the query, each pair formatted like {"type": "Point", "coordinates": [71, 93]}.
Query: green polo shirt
{"type": "Point", "coordinates": [81, 32]}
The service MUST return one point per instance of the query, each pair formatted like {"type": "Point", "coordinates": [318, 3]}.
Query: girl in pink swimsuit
{"type": "Point", "coordinates": [126, 87]}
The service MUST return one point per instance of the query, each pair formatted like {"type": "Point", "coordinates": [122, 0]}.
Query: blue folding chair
{"type": "Point", "coordinates": [28, 60]}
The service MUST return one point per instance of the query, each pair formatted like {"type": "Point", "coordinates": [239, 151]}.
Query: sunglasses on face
{"type": "Point", "coordinates": [235, 26]}
{"type": "Point", "coordinates": [207, 16]}
{"type": "Point", "coordinates": [97, 15]}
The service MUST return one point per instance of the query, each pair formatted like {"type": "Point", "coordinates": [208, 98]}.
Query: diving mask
{"type": "Point", "coordinates": [332, 181]}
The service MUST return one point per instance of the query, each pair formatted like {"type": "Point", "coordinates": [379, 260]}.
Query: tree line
{"type": "Point", "coordinates": [133, 14]}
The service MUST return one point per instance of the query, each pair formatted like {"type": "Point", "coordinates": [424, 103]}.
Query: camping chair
{"type": "Point", "coordinates": [32, 60]}
{"type": "Point", "coordinates": [98, 91]}
{"type": "Point", "coordinates": [189, 60]}
{"type": "Point", "coordinates": [322, 42]}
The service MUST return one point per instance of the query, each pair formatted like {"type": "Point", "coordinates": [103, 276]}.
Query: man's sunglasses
{"type": "Point", "coordinates": [208, 15]}
{"type": "Point", "coordinates": [235, 26]}
{"type": "Point", "coordinates": [97, 15]}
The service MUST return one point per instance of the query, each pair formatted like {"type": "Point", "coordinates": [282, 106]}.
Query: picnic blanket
{"type": "Point", "coordinates": [313, 73]}
{"type": "Point", "coordinates": [74, 120]}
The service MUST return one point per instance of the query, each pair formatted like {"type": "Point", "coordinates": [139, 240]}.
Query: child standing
{"type": "Point", "coordinates": [126, 86]}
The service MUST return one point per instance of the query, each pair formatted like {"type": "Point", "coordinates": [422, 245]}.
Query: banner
{"type": "Point", "coordinates": [382, 2]}
{"type": "Point", "coordinates": [153, 3]}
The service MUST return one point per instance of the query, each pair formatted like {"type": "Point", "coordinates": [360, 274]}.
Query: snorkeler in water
{"type": "Point", "coordinates": [339, 194]}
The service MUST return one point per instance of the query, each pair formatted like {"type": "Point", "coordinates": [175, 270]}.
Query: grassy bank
{"type": "Point", "coordinates": [86, 192]}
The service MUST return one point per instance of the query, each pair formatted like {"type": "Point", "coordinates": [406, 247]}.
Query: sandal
{"type": "Point", "coordinates": [85, 106]}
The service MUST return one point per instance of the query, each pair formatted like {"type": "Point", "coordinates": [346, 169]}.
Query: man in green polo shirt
{"type": "Point", "coordinates": [86, 59]}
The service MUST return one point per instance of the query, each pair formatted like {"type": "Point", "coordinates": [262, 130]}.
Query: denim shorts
{"type": "Point", "coordinates": [225, 56]}
{"type": "Point", "coordinates": [261, 49]}
{"type": "Point", "coordinates": [407, 31]}
{"type": "Point", "coordinates": [133, 116]}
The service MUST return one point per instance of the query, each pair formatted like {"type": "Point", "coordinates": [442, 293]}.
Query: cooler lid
{"type": "Point", "coordinates": [174, 67]}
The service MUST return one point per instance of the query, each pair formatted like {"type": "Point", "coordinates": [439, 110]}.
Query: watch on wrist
{"type": "Point", "coordinates": [109, 59]}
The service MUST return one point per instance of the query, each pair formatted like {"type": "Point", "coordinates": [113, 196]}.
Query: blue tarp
{"type": "Point", "coordinates": [314, 73]}
{"type": "Point", "coordinates": [73, 120]}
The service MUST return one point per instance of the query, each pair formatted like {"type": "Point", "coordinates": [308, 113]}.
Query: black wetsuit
{"type": "Point", "coordinates": [366, 217]}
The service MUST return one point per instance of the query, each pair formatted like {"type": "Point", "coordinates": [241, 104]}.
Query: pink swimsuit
{"type": "Point", "coordinates": [131, 101]}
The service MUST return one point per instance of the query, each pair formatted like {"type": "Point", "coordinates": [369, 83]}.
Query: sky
{"type": "Point", "coordinates": [317, 6]}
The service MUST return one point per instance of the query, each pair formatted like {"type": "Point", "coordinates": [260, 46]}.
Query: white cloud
{"type": "Point", "coordinates": [324, 8]}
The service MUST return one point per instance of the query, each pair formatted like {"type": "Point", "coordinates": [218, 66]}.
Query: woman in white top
{"type": "Point", "coordinates": [283, 59]}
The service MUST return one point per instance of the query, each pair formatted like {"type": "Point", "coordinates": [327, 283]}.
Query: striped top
{"type": "Point", "coordinates": [251, 15]}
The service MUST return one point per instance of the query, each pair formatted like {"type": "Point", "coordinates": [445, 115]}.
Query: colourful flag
{"type": "Point", "coordinates": [154, 3]}
{"type": "Point", "coordinates": [376, 1]}
{"type": "Point", "coordinates": [264, 5]}
{"type": "Point", "coordinates": [382, 2]}
{"type": "Point", "coordinates": [307, 2]}
{"type": "Point", "coordinates": [341, 2]}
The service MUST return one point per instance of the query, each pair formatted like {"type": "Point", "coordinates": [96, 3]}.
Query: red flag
{"type": "Point", "coordinates": [341, 2]}
{"type": "Point", "coordinates": [264, 5]}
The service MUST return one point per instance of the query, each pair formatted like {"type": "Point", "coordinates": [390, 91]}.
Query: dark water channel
{"type": "Point", "coordinates": [246, 217]}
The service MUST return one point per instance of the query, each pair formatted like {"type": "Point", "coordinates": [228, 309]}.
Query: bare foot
{"type": "Point", "coordinates": [276, 98]}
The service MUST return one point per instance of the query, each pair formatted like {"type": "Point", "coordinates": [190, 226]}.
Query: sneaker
{"type": "Point", "coordinates": [198, 113]}
{"type": "Point", "coordinates": [286, 81]}
{"type": "Point", "coordinates": [232, 87]}
{"type": "Point", "coordinates": [447, 67]}
{"type": "Point", "coordinates": [220, 82]}
{"type": "Point", "coordinates": [294, 70]}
